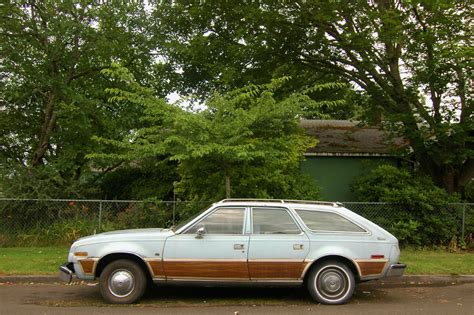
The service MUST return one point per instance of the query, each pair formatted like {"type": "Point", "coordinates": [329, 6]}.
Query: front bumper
{"type": "Point", "coordinates": [396, 270]}
{"type": "Point", "coordinates": [65, 272]}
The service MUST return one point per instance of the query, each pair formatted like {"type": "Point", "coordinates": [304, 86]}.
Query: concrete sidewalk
{"type": "Point", "coordinates": [405, 281]}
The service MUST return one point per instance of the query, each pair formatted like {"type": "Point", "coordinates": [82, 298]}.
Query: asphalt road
{"type": "Point", "coordinates": [408, 297]}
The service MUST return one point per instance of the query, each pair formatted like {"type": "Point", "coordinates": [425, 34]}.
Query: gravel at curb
{"type": "Point", "coordinates": [29, 279]}
{"type": "Point", "coordinates": [408, 280]}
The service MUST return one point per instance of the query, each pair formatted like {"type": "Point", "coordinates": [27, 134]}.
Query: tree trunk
{"type": "Point", "coordinates": [227, 186]}
{"type": "Point", "coordinates": [449, 180]}
{"type": "Point", "coordinates": [45, 132]}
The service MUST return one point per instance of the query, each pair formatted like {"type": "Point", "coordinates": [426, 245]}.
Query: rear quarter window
{"type": "Point", "coordinates": [328, 222]}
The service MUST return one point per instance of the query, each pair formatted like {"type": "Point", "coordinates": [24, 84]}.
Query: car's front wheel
{"type": "Point", "coordinates": [122, 282]}
{"type": "Point", "coordinates": [331, 282]}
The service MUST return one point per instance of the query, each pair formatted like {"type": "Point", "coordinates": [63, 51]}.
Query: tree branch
{"type": "Point", "coordinates": [434, 94]}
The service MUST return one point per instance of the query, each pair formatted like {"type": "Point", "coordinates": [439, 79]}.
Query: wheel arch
{"type": "Point", "coordinates": [348, 262]}
{"type": "Point", "coordinates": [107, 259]}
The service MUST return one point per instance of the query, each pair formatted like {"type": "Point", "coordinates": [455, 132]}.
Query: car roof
{"type": "Point", "coordinates": [302, 204]}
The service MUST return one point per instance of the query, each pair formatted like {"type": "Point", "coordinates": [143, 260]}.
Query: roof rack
{"type": "Point", "coordinates": [328, 203]}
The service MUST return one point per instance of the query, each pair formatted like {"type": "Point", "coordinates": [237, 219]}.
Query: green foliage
{"type": "Point", "coordinates": [422, 217]}
{"type": "Point", "coordinates": [406, 231]}
{"type": "Point", "coordinates": [469, 191]}
{"type": "Point", "coordinates": [387, 183]}
{"type": "Point", "coordinates": [36, 223]}
{"type": "Point", "coordinates": [246, 138]}
{"type": "Point", "coordinates": [244, 143]}
{"type": "Point", "coordinates": [412, 59]}
{"type": "Point", "coordinates": [150, 178]}
{"type": "Point", "coordinates": [143, 215]}
{"type": "Point", "coordinates": [60, 232]}
{"type": "Point", "coordinates": [219, 46]}
{"type": "Point", "coordinates": [52, 94]}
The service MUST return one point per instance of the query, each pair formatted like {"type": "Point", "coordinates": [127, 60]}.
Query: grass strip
{"type": "Point", "coordinates": [45, 260]}
{"type": "Point", "coordinates": [31, 260]}
{"type": "Point", "coordinates": [437, 262]}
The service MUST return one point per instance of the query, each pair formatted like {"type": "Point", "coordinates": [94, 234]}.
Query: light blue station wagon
{"type": "Point", "coordinates": [321, 245]}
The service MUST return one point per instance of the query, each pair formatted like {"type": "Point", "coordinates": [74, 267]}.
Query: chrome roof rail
{"type": "Point", "coordinates": [317, 202]}
{"type": "Point", "coordinates": [251, 200]}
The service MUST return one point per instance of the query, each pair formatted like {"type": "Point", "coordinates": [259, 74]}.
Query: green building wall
{"type": "Point", "coordinates": [335, 174]}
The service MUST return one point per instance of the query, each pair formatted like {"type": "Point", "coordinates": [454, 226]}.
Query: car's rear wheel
{"type": "Point", "coordinates": [122, 282]}
{"type": "Point", "coordinates": [331, 282]}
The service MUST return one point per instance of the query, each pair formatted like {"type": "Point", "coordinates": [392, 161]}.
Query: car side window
{"type": "Point", "coordinates": [221, 221]}
{"type": "Point", "coordinates": [273, 221]}
{"type": "Point", "coordinates": [328, 222]}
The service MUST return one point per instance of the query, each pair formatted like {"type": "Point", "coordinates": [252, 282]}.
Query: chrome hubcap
{"type": "Point", "coordinates": [121, 283]}
{"type": "Point", "coordinates": [332, 283]}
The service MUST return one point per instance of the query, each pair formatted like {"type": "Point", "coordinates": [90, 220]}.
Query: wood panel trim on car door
{"type": "Point", "coordinates": [212, 268]}
{"type": "Point", "coordinates": [276, 268]}
{"type": "Point", "coordinates": [155, 265]}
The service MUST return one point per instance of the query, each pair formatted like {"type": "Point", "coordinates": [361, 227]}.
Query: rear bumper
{"type": "Point", "coordinates": [396, 270]}
{"type": "Point", "coordinates": [65, 272]}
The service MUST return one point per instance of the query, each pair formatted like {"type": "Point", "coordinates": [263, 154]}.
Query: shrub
{"type": "Point", "coordinates": [469, 191]}
{"type": "Point", "coordinates": [406, 231]}
{"type": "Point", "coordinates": [424, 216]}
{"type": "Point", "coordinates": [144, 215]}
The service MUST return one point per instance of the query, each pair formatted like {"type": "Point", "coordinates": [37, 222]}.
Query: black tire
{"type": "Point", "coordinates": [331, 282]}
{"type": "Point", "coordinates": [122, 282]}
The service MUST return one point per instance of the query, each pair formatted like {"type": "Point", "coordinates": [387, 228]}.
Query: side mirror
{"type": "Point", "coordinates": [200, 232]}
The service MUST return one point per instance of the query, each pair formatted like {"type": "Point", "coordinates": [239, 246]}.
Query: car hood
{"type": "Point", "coordinates": [133, 231]}
{"type": "Point", "coordinates": [126, 235]}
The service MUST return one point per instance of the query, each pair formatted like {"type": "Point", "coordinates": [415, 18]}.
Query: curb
{"type": "Point", "coordinates": [408, 280]}
{"type": "Point", "coordinates": [423, 281]}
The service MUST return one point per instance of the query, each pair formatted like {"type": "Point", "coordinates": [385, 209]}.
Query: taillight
{"type": "Point", "coordinates": [377, 256]}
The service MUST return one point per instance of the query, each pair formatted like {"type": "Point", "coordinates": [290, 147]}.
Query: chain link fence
{"type": "Point", "coordinates": [451, 225]}
{"type": "Point", "coordinates": [54, 222]}
{"type": "Point", "coordinates": [59, 222]}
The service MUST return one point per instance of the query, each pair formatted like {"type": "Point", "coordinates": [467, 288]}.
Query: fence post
{"type": "Point", "coordinates": [463, 221]}
{"type": "Point", "coordinates": [100, 216]}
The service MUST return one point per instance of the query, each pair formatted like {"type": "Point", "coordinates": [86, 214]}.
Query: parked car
{"type": "Point", "coordinates": [321, 245]}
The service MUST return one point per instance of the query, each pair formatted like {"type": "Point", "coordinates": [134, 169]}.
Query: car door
{"type": "Point", "coordinates": [278, 246]}
{"type": "Point", "coordinates": [214, 248]}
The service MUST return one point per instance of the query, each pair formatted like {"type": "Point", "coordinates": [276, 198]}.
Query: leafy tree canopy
{"type": "Point", "coordinates": [410, 63]}
{"type": "Point", "coordinates": [244, 143]}
{"type": "Point", "coordinates": [412, 58]}
{"type": "Point", "coordinates": [52, 97]}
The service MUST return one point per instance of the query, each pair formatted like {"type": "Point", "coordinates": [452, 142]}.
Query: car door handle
{"type": "Point", "coordinates": [238, 246]}
{"type": "Point", "coordinates": [297, 246]}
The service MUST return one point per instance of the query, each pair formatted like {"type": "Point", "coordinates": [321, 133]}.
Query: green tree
{"type": "Point", "coordinates": [413, 58]}
{"type": "Point", "coordinates": [247, 143]}
{"type": "Point", "coordinates": [244, 143]}
{"type": "Point", "coordinates": [52, 94]}
{"type": "Point", "coordinates": [221, 46]}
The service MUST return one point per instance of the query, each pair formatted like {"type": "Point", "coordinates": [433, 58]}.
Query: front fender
{"type": "Point", "coordinates": [85, 266]}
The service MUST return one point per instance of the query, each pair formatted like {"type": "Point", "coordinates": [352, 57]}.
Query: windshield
{"type": "Point", "coordinates": [175, 228]}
